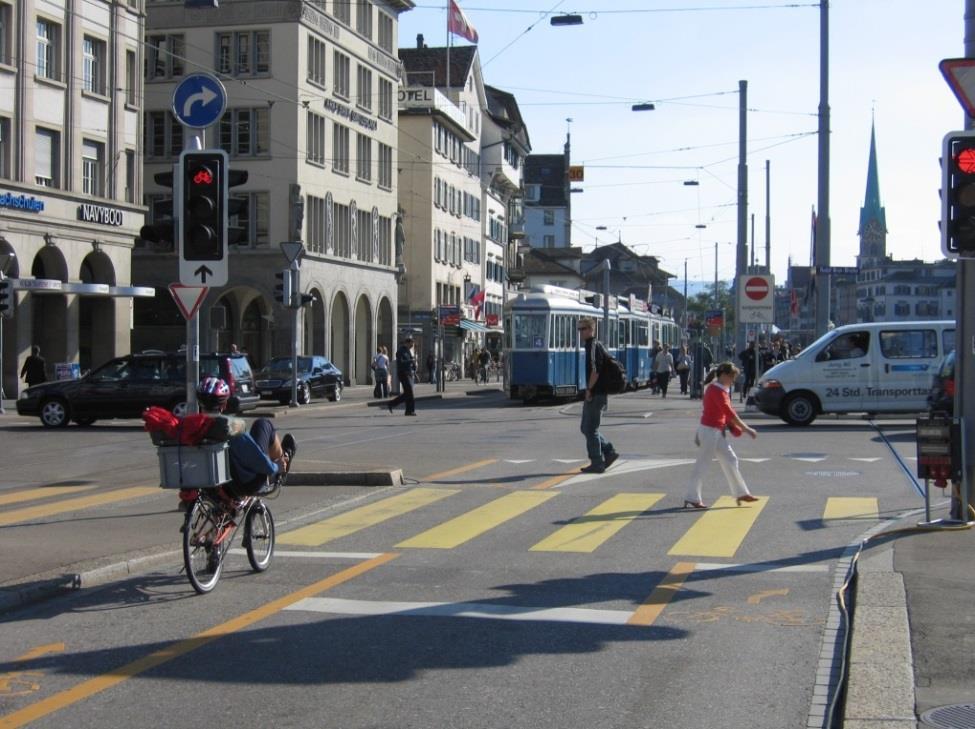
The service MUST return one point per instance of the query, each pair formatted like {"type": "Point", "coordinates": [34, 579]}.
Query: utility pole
{"type": "Point", "coordinates": [741, 259]}
{"type": "Point", "coordinates": [684, 327]}
{"type": "Point", "coordinates": [822, 199]}
{"type": "Point", "coordinates": [768, 218]}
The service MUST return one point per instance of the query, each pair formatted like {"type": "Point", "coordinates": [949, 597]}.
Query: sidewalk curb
{"type": "Point", "coordinates": [387, 477]}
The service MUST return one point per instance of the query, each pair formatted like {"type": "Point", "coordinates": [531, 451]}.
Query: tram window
{"type": "Point", "coordinates": [529, 331]}
{"type": "Point", "coordinates": [566, 331]}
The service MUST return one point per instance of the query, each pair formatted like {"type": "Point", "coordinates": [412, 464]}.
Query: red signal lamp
{"type": "Point", "coordinates": [965, 160]}
{"type": "Point", "coordinates": [203, 176]}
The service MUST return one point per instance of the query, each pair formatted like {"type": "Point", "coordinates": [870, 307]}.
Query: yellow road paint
{"type": "Point", "coordinates": [459, 470]}
{"type": "Point", "coordinates": [586, 533]}
{"type": "Point", "coordinates": [843, 507]}
{"type": "Point", "coordinates": [40, 651]}
{"type": "Point", "coordinates": [556, 480]}
{"type": "Point", "coordinates": [720, 530]}
{"type": "Point", "coordinates": [662, 594]}
{"type": "Point", "coordinates": [474, 523]}
{"type": "Point", "coordinates": [42, 493]}
{"type": "Point", "coordinates": [759, 596]}
{"type": "Point", "coordinates": [82, 502]}
{"type": "Point", "coordinates": [341, 525]}
{"type": "Point", "coordinates": [89, 688]}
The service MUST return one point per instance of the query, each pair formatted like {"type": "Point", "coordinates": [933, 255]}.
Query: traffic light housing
{"type": "Point", "coordinates": [162, 229]}
{"type": "Point", "coordinates": [958, 195]}
{"type": "Point", "coordinates": [203, 218]}
{"type": "Point", "coordinates": [237, 207]}
{"type": "Point", "coordinates": [282, 289]}
{"type": "Point", "coordinates": [6, 298]}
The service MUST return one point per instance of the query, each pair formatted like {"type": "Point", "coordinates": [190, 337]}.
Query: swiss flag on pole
{"type": "Point", "coordinates": [458, 24]}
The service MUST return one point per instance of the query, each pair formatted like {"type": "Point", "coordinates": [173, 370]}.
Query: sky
{"type": "Point", "coordinates": [687, 58]}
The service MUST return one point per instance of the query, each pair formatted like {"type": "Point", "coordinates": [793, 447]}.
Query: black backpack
{"type": "Point", "coordinates": [612, 375]}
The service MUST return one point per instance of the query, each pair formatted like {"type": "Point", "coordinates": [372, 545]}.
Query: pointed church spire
{"type": "Point", "coordinates": [873, 217]}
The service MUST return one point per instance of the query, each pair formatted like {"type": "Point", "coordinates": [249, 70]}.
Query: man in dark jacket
{"type": "Point", "coordinates": [33, 369]}
{"type": "Point", "coordinates": [601, 451]}
{"type": "Point", "coordinates": [406, 371]}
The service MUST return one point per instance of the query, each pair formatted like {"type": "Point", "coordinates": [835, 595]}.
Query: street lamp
{"type": "Point", "coordinates": [566, 19]}
{"type": "Point", "coordinates": [645, 106]}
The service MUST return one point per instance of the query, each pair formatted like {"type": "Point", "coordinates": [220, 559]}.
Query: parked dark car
{"type": "Point", "coordinates": [125, 386]}
{"type": "Point", "coordinates": [316, 377]}
{"type": "Point", "coordinates": [942, 396]}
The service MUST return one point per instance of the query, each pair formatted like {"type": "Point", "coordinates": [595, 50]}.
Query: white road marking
{"type": "Point", "coordinates": [527, 460]}
{"type": "Point", "coordinates": [568, 460]}
{"type": "Point", "coordinates": [623, 466]}
{"type": "Point", "coordinates": [648, 415]}
{"type": "Point", "coordinates": [865, 460]}
{"type": "Point", "coordinates": [809, 459]}
{"type": "Point", "coordinates": [755, 460]}
{"type": "Point", "coordinates": [758, 567]}
{"type": "Point", "coordinates": [462, 610]}
{"type": "Point", "coordinates": [317, 555]}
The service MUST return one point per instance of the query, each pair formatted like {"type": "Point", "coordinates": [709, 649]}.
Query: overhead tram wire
{"type": "Point", "coordinates": [635, 11]}
{"type": "Point", "coordinates": [523, 33]}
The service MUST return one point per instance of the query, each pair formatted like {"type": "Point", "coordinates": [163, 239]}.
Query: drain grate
{"type": "Point", "coordinates": [955, 716]}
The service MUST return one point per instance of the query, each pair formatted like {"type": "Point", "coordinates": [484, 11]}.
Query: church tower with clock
{"type": "Point", "coordinates": [873, 218]}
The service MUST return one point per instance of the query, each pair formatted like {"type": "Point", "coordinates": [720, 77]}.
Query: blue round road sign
{"type": "Point", "coordinates": [199, 100]}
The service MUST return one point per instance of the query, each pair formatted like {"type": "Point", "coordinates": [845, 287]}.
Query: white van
{"type": "Point", "coordinates": [883, 367]}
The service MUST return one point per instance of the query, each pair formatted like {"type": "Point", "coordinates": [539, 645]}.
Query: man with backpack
{"type": "Point", "coordinates": [601, 452]}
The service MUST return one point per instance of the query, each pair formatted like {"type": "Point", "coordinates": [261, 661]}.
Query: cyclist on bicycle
{"type": "Point", "coordinates": [255, 455]}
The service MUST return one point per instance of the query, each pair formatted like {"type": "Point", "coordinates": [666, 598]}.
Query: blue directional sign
{"type": "Point", "coordinates": [199, 100]}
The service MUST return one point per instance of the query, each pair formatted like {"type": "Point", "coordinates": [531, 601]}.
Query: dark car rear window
{"type": "Point", "coordinates": [240, 367]}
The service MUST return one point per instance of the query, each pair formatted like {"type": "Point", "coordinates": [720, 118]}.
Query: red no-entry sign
{"type": "Point", "coordinates": [756, 288]}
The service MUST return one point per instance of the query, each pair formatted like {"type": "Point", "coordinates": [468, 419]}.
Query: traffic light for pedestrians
{"type": "Point", "coordinates": [958, 195]}
{"type": "Point", "coordinates": [162, 229]}
{"type": "Point", "coordinates": [282, 289]}
{"type": "Point", "coordinates": [203, 219]}
{"type": "Point", "coordinates": [6, 298]}
{"type": "Point", "coordinates": [237, 208]}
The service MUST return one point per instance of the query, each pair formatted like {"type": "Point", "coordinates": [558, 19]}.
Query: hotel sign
{"type": "Point", "coordinates": [424, 97]}
{"type": "Point", "coordinates": [100, 214]}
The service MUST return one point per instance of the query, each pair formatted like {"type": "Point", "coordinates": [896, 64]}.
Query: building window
{"type": "Point", "coordinates": [164, 56]}
{"type": "Point", "coordinates": [48, 50]}
{"type": "Point", "coordinates": [342, 10]}
{"type": "Point", "coordinates": [340, 149]}
{"type": "Point", "coordinates": [902, 308]}
{"type": "Point", "coordinates": [129, 176]}
{"type": "Point", "coordinates": [93, 51]}
{"type": "Point", "coordinates": [254, 219]}
{"type": "Point", "coordinates": [131, 92]}
{"type": "Point", "coordinates": [244, 53]}
{"type": "Point", "coordinates": [385, 32]}
{"type": "Point", "coordinates": [363, 18]}
{"type": "Point", "coordinates": [340, 72]}
{"type": "Point", "coordinates": [5, 33]}
{"type": "Point", "coordinates": [316, 61]}
{"type": "Point", "coordinates": [4, 147]}
{"type": "Point", "coordinates": [342, 230]}
{"type": "Point", "coordinates": [549, 217]}
{"type": "Point", "coordinates": [92, 168]}
{"type": "Point", "coordinates": [364, 249]}
{"type": "Point", "coordinates": [385, 241]}
{"type": "Point", "coordinates": [315, 215]}
{"type": "Point", "coordinates": [385, 99]}
{"type": "Point", "coordinates": [47, 158]}
{"type": "Point", "coordinates": [384, 172]}
{"type": "Point", "coordinates": [245, 132]}
{"type": "Point", "coordinates": [315, 147]}
{"type": "Point", "coordinates": [164, 135]}
{"type": "Point", "coordinates": [549, 241]}
{"type": "Point", "coordinates": [364, 87]}
{"type": "Point", "coordinates": [363, 166]}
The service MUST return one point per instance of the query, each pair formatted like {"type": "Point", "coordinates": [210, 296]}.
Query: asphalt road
{"type": "Point", "coordinates": [493, 589]}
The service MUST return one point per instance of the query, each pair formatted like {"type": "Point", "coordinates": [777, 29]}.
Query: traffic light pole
{"type": "Point", "coordinates": [295, 296]}
{"type": "Point", "coordinates": [192, 139]}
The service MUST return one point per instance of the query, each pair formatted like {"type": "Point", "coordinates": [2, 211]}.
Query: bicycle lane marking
{"type": "Point", "coordinates": [92, 686]}
{"type": "Point", "coordinates": [459, 470]}
{"type": "Point", "coordinates": [81, 502]}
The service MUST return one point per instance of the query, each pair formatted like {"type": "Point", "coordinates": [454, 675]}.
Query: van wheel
{"type": "Point", "coordinates": [799, 409]}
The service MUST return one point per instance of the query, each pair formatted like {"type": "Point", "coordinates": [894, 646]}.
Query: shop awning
{"type": "Point", "coordinates": [472, 326]}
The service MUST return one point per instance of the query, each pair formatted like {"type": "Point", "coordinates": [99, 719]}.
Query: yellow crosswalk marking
{"type": "Point", "coordinates": [586, 533]}
{"type": "Point", "coordinates": [315, 535]}
{"type": "Point", "coordinates": [662, 594]}
{"type": "Point", "coordinates": [82, 502]}
{"type": "Point", "coordinates": [720, 530]}
{"type": "Point", "coordinates": [459, 470]}
{"type": "Point", "coordinates": [474, 523]}
{"type": "Point", "coordinates": [42, 493]}
{"type": "Point", "coordinates": [849, 507]}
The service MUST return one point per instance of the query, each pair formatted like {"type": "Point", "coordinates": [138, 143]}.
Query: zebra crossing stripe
{"type": "Point", "coordinates": [327, 530]}
{"type": "Point", "coordinates": [467, 526]}
{"type": "Point", "coordinates": [42, 493]}
{"type": "Point", "coordinates": [587, 532]}
{"type": "Point", "coordinates": [849, 507]}
{"type": "Point", "coordinates": [39, 511]}
{"type": "Point", "coordinates": [459, 470]}
{"type": "Point", "coordinates": [720, 530]}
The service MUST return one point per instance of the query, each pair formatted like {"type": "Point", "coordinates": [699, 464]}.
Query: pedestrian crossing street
{"type": "Point", "coordinates": [717, 532]}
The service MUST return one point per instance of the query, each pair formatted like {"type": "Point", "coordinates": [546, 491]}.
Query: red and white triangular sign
{"type": "Point", "coordinates": [960, 75]}
{"type": "Point", "coordinates": [188, 298]}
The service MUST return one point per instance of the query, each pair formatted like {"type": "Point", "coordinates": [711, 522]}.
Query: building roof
{"type": "Point", "coordinates": [872, 209]}
{"type": "Point", "coordinates": [538, 262]}
{"type": "Point", "coordinates": [503, 108]}
{"type": "Point", "coordinates": [548, 171]}
{"type": "Point", "coordinates": [428, 66]}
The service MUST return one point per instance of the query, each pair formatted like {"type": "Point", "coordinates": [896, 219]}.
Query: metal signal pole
{"type": "Point", "coordinates": [822, 198]}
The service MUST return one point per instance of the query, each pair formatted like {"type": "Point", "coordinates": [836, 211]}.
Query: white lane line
{"type": "Point", "coordinates": [755, 460]}
{"type": "Point", "coordinates": [527, 460]}
{"type": "Point", "coordinates": [462, 610]}
{"type": "Point", "coordinates": [648, 415]}
{"type": "Point", "coordinates": [809, 459]}
{"type": "Point", "coordinates": [568, 460]}
{"type": "Point", "coordinates": [759, 567]}
{"type": "Point", "coordinates": [865, 460]}
{"type": "Point", "coordinates": [623, 466]}
{"type": "Point", "coordinates": [316, 555]}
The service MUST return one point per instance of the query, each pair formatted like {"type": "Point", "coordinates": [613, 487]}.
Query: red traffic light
{"type": "Point", "coordinates": [203, 176]}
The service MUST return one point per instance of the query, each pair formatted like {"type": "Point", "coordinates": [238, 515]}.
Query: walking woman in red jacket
{"type": "Point", "coordinates": [717, 419]}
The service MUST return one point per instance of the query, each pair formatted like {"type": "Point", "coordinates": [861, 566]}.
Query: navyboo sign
{"type": "Point", "coordinates": [756, 299]}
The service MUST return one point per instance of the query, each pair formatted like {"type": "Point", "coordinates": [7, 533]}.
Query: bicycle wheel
{"type": "Point", "coordinates": [202, 559]}
{"type": "Point", "coordinates": [259, 536]}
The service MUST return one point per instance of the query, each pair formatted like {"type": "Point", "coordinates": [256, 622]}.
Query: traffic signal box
{"type": "Point", "coordinates": [958, 195]}
{"type": "Point", "coordinates": [162, 229]}
{"type": "Point", "coordinates": [282, 289]}
{"type": "Point", "coordinates": [203, 223]}
{"type": "Point", "coordinates": [6, 297]}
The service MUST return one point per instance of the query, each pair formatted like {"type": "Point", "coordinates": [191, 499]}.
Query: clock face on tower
{"type": "Point", "coordinates": [873, 229]}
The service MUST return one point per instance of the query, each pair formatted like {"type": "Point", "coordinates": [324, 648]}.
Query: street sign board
{"type": "Point", "coordinates": [188, 298]}
{"type": "Point", "coordinates": [577, 173]}
{"type": "Point", "coordinates": [449, 315]}
{"type": "Point", "coordinates": [960, 75]}
{"type": "Point", "coordinates": [199, 100]}
{"type": "Point", "coordinates": [714, 321]}
{"type": "Point", "coordinates": [837, 270]}
{"type": "Point", "coordinates": [292, 250]}
{"type": "Point", "coordinates": [756, 299]}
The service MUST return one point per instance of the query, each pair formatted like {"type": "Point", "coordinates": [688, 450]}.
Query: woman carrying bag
{"type": "Point", "coordinates": [683, 367]}
{"type": "Point", "coordinates": [717, 418]}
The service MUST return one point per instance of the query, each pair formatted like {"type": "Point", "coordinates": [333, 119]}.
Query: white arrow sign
{"type": "Point", "coordinates": [204, 95]}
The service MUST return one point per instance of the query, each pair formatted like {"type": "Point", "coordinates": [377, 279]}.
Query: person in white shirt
{"type": "Point", "coordinates": [663, 367]}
